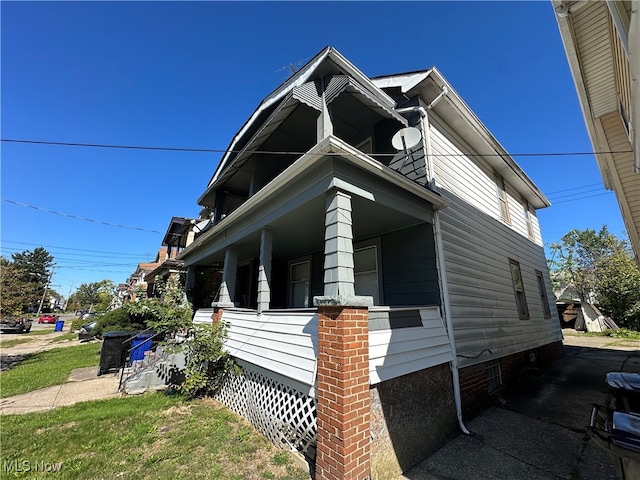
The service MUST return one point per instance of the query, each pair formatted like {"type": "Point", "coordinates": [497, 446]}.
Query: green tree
{"type": "Point", "coordinates": [618, 289]}
{"type": "Point", "coordinates": [24, 279]}
{"type": "Point", "coordinates": [575, 259]}
{"type": "Point", "coordinates": [600, 265]}
{"type": "Point", "coordinates": [97, 295]}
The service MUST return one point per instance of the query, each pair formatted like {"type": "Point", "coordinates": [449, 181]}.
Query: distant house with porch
{"type": "Point", "coordinates": [377, 257]}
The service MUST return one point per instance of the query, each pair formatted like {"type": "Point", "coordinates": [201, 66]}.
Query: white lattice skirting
{"type": "Point", "coordinates": [282, 414]}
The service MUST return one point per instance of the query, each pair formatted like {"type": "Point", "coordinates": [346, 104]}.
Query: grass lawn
{"type": "Point", "coordinates": [152, 436]}
{"type": "Point", "coordinates": [51, 367]}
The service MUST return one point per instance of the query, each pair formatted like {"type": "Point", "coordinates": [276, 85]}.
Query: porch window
{"type": "Point", "coordinates": [543, 295]}
{"type": "Point", "coordinates": [366, 272]}
{"type": "Point", "coordinates": [518, 288]}
{"type": "Point", "coordinates": [502, 199]}
{"type": "Point", "coordinates": [299, 283]}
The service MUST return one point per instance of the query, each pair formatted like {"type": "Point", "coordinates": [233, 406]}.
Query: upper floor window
{"type": "Point", "coordinates": [502, 199]}
{"type": "Point", "coordinates": [518, 288]}
{"type": "Point", "coordinates": [542, 290]}
{"type": "Point", "coordinates": [527, 218]}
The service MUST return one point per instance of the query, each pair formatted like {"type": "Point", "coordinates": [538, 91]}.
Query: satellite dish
{"type": "Point", "coordinates": [201, 226]}
{"type": "Point", "coordinates": [406, 138]}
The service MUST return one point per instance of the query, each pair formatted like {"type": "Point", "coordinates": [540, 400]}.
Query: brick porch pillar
{"type": "Point", "coordinates": [343, 410]}
{"type": "Point", "coordinates": [217, 315]}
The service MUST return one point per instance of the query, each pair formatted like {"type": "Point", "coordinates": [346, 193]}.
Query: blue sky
{"type": "Point", "coordinates": [188, 75]}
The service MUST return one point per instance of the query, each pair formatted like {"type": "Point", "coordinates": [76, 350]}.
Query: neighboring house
{"type": "Point", "coordinates": [120, 297]}
{"type": "Point", "coordinates": [179, 234]}
{"type": "Point", "coordinates": [602, 43]}
{"type": "Point", "coordinates": [372, 294]}
{"type": "Point", "coordinates": [136, 282]}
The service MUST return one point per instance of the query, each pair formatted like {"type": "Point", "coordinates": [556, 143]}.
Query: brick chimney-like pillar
{"type": "Point", "coordinates": [343, 410]}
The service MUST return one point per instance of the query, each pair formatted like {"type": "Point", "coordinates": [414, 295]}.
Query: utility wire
{"type": "Point", "coordinates": [583, 198]}
{"type": "Point", "coordinates": [79, 218]}
{"type": "Point", "coordinates": [75, 249]}
{"type": "Point", "coordinates": [575, 188]}
{"type": "Point", "coordinates": [269, 152]}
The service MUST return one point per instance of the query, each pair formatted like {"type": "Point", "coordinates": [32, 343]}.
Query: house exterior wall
{"type": "Point", "coordinates": [409, 267]}
{"type": "Point", "coordinates": [478, 246]}
{"type": "Point", "coordinates": [474, 181]}
{"type": "Point", "coordinates": [477, 250]}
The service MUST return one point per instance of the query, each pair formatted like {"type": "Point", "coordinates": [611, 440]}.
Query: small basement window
{"type": "Point", "coordinates": [494, 375]}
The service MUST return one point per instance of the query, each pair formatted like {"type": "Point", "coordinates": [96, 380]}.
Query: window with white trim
{"type": "Point", "coordinates": [299, 275]}
{"type": "Point", "coordinates": [518, 289]}
{"type": "Point", "coordinates": [527, 217]}
{"type": "Point", "coordinates": [542, 289]}
{"type": "Point", "coordinates": [502, 199]}
{"type": "Point", "coordinates": [366, 272]}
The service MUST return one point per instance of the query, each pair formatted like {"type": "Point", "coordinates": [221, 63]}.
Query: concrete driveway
{"type": "Point", "coordinates": [539, 430]}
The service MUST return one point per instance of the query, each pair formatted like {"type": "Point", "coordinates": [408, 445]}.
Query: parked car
{"type": "Point", "coordinates": [86, 331]}
{"type": "Point", "coordinates": [89, 315]}
{"type": "Point", "coordinates": [47, 319]}
{"type": "Point", "coordinates": [15, 324]}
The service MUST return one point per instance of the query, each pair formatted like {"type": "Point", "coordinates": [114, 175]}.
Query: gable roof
{"type": "Point", "coordinates": [328, 61]}
{"type": "Point", "coordinates": [431, 83]}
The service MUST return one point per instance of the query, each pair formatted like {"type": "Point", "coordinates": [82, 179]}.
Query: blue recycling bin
{"type": "Point", "coordinates": [140, 344]}
{"type": "Point", "coordinates": [59, 326]}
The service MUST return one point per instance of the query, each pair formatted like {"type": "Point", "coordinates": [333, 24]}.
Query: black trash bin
{"type": "Point", "coordinates": [625, 388]}
{"type": "Point", "coordinates": [619, 434]}
{"type": "Point", "coordinates": [113, 353]}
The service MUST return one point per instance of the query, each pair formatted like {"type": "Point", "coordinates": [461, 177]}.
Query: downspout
{"type": "Point", "coordinates": [444, 287]}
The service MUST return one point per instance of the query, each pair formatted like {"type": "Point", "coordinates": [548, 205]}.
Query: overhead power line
{"type": "Point", "coordinates": [271, 152]}
{"type": "Point", "coordinates": [583, 198]}
{"type": "Point", "coordinates": [79, 218]}
{"type": "Point", "coordinates": [118, 254]}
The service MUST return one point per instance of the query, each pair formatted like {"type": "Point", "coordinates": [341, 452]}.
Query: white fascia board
{"type": "Point", "coordinates": [571, 51]}
{"type": "Point", "coordinates": [483, 132]}
{"type": "Point", "coordinates": [404, 81]}
{"type": "Point", "coordinates": [330, 145]}
{"type": "Point", "coordinates": [300, 78]}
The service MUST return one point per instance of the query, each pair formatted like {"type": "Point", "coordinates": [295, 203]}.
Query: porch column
{"type": "Point", "coordinates": [343, 409]}
{"type": "Point", "coordinates": [324, 124]}
{"type": "Point", "coordinates": [190, 282]}
{"type": "Point", "coordinates": [264, 270]}
{"type": "Point", "coordinates": [228, 284]}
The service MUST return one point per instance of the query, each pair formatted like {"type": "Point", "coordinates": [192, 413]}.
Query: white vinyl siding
{"type": "Point", "coordinates": [477, 249]}
{"type": "Point", "coordinates": [397, 352]}
{"type": "Point", "coordinates": [475, 183]}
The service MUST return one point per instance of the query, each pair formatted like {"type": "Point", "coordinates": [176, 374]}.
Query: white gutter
{"type": "Point", "coordinates": [444, 287]}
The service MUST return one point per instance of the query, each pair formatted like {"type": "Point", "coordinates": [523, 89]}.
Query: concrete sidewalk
{"type": "Point", "coordinates": [539, 432]}
{"type": "Point", "coordinates": [83, 385]}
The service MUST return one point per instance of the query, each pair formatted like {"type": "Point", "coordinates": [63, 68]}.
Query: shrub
{"type": "Point", "coordinates": [207, 362]}
{"type": "Point", "coordinates": [118, 319]}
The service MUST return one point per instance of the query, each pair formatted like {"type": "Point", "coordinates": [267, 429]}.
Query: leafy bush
{"type": "Point", "coordinates": [207, 362]}
{"type": "Point", "coordinates": [118, 319]}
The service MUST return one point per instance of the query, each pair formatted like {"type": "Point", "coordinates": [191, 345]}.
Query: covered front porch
{"type": "Point", "coordinates": [336, 222]}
